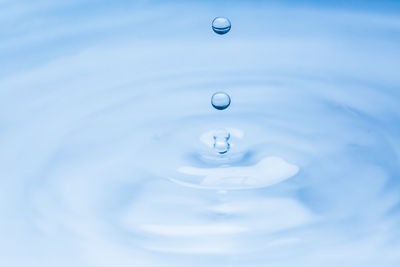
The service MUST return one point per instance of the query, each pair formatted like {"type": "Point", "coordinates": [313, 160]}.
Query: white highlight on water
{"type": "Point", "coordinates": [268, 171]}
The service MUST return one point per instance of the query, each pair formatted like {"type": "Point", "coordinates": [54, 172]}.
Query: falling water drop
{"type": "Point", "coordinates": [221, 25]}
{"type": "Point", "coordinates": [221, 138]}
{"type": "Point", "coordinates": [220, 100]}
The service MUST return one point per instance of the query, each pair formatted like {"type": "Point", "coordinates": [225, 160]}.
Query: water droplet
{"type": "Point", "coordinates": [221, 138]}
{"type": "Point", "coordinates": [221, 25]}
{"type": "Point", "coordinates": [220, 100]}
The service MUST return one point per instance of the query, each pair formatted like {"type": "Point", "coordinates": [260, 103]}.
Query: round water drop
{"type": "Point", "coordinates": [221, 138]}
{"type": "Point", "coordinates": [220, 100]}
{"type": "Point", "coordinates": [221, 25]}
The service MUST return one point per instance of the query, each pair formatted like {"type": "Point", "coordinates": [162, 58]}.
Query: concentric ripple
{"type": "Point", "coordinates": [107, 149]}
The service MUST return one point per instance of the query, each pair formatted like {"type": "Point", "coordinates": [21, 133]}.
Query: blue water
{"type": "Point", "coordinates": [106, 134]}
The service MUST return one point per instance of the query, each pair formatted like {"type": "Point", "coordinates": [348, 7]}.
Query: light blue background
{"type": "Point", "coordinates": [86, 87]}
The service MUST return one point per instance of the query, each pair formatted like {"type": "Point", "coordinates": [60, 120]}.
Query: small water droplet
{"type": "Point", "coordinates": [221, 25]}
{"type": "Point", "coordinates": [220, 100]}
{"type": "Point", "coordinates": [221, 138]}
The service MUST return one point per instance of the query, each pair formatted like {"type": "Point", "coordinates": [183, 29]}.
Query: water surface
{"type": "Point", "coordinates": [101, 105]}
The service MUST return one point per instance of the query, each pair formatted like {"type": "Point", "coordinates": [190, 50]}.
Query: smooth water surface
{"type": "Point", "coordinates": [107, 148]}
